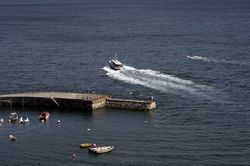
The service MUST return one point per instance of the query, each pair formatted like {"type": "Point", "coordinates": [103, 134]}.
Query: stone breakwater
{"type": "Point", "coordinates": [84, 101]}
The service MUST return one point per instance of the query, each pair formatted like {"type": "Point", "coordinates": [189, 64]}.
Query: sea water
{"type": "Point", "coordinates": [202, 115]}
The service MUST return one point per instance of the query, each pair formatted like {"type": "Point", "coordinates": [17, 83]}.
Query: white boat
{"type": "Point", "coordinates": [12, 137]}
{"type": "Point", "coordinates": [24, 120]}
{"type": "Point", "coordinates": [115, 64]}
{"type": "Point", "coordinates": [101, 149]}
{"type": "Point", "coordinates": [13, 117]}
{"type": "Point", "coordinates": [1, 120]}
{"type": "Point", "coordinates": [194, 57]}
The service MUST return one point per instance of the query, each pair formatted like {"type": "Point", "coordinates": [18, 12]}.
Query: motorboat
{"type": "Point", "coordinates": [44, 116]}
{"type": "Point", "coordinates": [87, 145]}
{"type": "Point", "coordinates": [115, 64]}
{"type": "Point", "coordinates": [194, 57]}
{"type": "Point", "coordinates": [13, 117]}
{"type": "Point", "coordinates": [24, 120]}
{"type": "Point", "coordinates": [101, 149]}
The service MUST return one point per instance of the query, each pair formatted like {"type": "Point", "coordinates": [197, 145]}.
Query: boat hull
{"type": "Point", "coordinates": [44, 116]}
{"type": "Point", "coordinates": [86, 145]}
{"type": "Point", "coordinates": [24, 120]}
{"type": "Point", "coordinates": [12, 138]}
{"type": "Point", "coordinates": [101, 149]}
{"type": "Point", "coordinates": [115, 66]}
{"type": "Point", "coordinates": [13, 117]}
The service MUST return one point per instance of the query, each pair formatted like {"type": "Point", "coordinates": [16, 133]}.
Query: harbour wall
{"type": "Point", "coordinates": [131, 104]}
{"type": "Point", "coordinates": [82, 101]}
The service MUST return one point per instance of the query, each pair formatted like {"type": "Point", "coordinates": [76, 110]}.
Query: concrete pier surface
{"type": "Point", "coordinates": [86, 101]}
{"type": "Point", "coordinates": [65, 95]}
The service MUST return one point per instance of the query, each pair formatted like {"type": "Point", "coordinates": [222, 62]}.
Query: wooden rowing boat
{"type": "Point", "coordinates": [87, 145]}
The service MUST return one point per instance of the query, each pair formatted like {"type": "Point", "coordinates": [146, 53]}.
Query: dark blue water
{"type": "Point", "coordinates": [202, 115]}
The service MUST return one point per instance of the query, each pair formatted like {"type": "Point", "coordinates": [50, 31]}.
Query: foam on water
{"type": "Point", "coordinates": [214, 60]}
{"type": "Point", "coordinates": [158, 81]}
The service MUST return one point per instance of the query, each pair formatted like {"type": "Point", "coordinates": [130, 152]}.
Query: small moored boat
{"type": "Point", "coordinates": [115, 64]}
{"type": "Point", "coordinates": [24, 120]}
{"type": "Point", "coordinates": [1, 120]}
{"type": "Point", "coordinates": [13, 117]}
{"type": "Point", "coordinates": [12, 137]}
{"type": "Point", "coordinates": [87, 145]}
{"type": "Point", "coordinates": [44, 116]}
{"type": "Point", "coordinates": [101, 149]}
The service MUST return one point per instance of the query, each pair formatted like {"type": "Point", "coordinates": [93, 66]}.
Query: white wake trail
{"type": "Point", "coordinates": [214, 60]}
{"type": "Point", "coordinates": [158, 81]}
